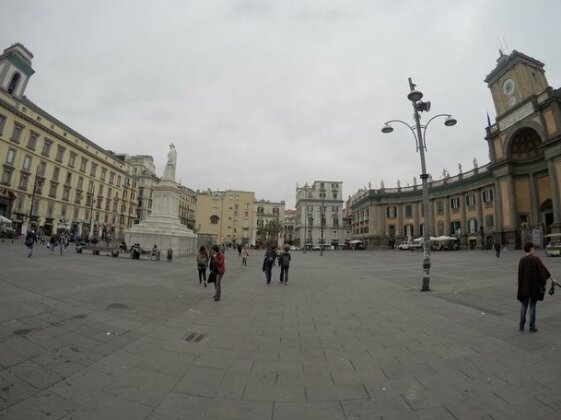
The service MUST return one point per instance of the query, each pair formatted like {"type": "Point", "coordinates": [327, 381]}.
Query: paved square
{"type": "Point", "coordinates": [350, 337]}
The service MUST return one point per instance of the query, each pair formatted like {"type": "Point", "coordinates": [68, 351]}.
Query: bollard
{"type": "Point", "coordinates": [170, 254]}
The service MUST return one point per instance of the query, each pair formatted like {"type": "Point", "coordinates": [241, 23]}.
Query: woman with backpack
{"type": "Point", "coordinates": [202, 264]}
{"type": "Point", "coordinates": [284, 262]}
{"type": "Point", "coordinates": [269, 262]}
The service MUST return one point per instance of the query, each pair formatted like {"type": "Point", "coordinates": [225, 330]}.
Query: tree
{"type": "Point", "coordinates": [270, 232]}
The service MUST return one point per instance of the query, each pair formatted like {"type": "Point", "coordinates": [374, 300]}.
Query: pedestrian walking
{"type": "Point", "coordinates": [52, 243]}
{"type": "Point", "coordinates": [532, 277]}
{"type": "Point", "coordinates": [497, 246]}
{"type": "Point", "coordinates": [269, 262]}
{"type": "Point", "coordinates": [202, 264]}
{"type": "Point", "coordinates": [284, 262]}
{"type": "Point", "coordinates": [245, 254]}
{"type": "Point", "coordinates": [30, 239]}
{"type": "Point", "coordinates": [61, 242]}
{"type": "Point", "coordinates": [218, 267]}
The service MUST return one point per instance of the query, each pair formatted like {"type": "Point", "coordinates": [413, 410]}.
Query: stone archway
{"type": "Point", "coordinates": [525, 145]}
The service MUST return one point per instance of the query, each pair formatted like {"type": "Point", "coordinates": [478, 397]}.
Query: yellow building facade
{"type": "Point", "coordinates": [52, 177]}
{"type": "Point", "coordinates": [225, 216]}
{"type": "Point", "coordinates": [512, 199]}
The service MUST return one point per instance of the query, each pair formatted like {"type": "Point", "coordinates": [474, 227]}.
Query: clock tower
{"type": "Point", "coordinates": [516, 78]}
{"type": "Point", "coordinates": [525, 150]}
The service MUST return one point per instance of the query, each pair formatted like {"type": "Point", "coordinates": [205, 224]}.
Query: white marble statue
{"type": "Point", "coordinates": [474, 163]}
{"type": "Point", "coordinates": [169, 171]}
{"type": "Point", "coordinates": [459, 168]}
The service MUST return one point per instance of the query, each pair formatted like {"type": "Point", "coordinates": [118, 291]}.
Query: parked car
{"type": "Point", "coordinates": [409, 246]}
{"type": "Point", "coordinates": [294, 248]}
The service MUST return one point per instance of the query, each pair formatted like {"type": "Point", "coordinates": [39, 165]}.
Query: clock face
{"type": "Point", "coordinates": [508, 87]}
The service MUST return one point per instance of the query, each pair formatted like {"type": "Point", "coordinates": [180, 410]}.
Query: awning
{"type": "Point", "coordinates": [355, 241]}
{"type": "Point", "coordinates": [4, 219]}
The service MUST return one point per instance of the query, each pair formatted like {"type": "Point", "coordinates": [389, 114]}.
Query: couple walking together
{"type": "Point", "coordinates": [217, 267]}
{"type": "Point", "coordinates": [284, 263]}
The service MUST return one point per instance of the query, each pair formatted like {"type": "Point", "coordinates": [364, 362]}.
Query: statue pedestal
{"type": "Point", "coordinates": [163, 226]}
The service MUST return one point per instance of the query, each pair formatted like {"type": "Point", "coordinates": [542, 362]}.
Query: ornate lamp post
{"type": "Point", "coordinates": [419, 133]}
{"type": "Point", "coordinates": [36, 183]}
{"type": "Point", "coordinates": [322, 224]}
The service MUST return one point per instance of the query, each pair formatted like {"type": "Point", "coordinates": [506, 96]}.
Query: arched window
{"type": "Point", "coordinates": [13, 83]}
{"type": "Point", "coordinates": [525, 145]}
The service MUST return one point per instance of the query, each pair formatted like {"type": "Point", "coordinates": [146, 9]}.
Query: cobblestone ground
{"type": "Point", "coordinates": [350, 337]}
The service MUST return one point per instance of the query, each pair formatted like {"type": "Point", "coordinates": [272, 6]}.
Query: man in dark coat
{"type": "Point", "coordinates": [532, 276]}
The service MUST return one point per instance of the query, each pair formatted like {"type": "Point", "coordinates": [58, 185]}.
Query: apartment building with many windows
{"type": "Point", "coordinates": [319, 214]}
{"type": "Point", "coordinates": [266, 212]}
{"type": "Point", "coordinates": [53, 177]}
{"type": "Point", "coordinates": [225, 216]}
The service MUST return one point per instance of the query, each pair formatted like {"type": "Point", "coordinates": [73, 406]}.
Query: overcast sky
{"type": "Point", "coordinates": [261, 95]}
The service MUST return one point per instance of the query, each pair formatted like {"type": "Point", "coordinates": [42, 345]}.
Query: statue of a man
{"type": "Point", "coordinates": [169, 172]}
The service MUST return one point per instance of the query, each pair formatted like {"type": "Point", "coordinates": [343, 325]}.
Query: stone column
{"type": "Point", "coordinates": [554, 194]}
{"type": "Point", "coordinates": [463, 217]}
{"type": "Point", "coordinates": [480, 220]}
{"type": "Point", "coordinates": [534, 209]}
{"type": "Point", "coordinates": [447, 215]}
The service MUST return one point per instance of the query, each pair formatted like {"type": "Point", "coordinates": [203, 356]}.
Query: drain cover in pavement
{"type": "Point", "coordinates": [195, 337]}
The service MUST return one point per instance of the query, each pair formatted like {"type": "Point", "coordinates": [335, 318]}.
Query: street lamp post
{"type": "Point", "coordinates": [91, 216]}
{"type": "Point", "coordinates": [35, 182]}
{"type": "Point", "coordinates": [419, 133]}
{"type": "Point", "coordinates": [322, 224]}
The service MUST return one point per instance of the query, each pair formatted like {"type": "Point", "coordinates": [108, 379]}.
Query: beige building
{"type": "Point", "coordinates": [187, 206]}
{"type": "Point", "coordinates": [225, 216]}
{"type": "Point", "coordinates": [265, 212]}
{"type": "Point", "coordinates": [514, 198]}
{"type": "Point", "coordinates": [142, 170]}
{"type": "Point", "coordinates": [53, 177]}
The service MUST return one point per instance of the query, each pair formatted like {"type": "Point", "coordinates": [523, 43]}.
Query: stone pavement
{"type": "Point", "coordinates": [350, 337]}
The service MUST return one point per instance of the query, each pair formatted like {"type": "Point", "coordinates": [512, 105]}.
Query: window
{"type": "Point", "coordinates": [16, 133]}
{"type": "Point", "coordinates": [103, 173]}
{"type": "Point", "coordinates": [335, 222]}
{"type": "Point", "coordinates": [52, 190]}
{"type": "Point", "coordinates": [24, 178]}
{"type": "Point", "coordinates": [59, 153]}
{"type": "Point", "coordinates": [408, 231]}
{"type": "Point", "coordinates": [470, 200]}
{"type": "Point", "coordinates": [83, 163]}
{"type": "Point", "coordinates": [119, 181]}
{"type": "Point", "coordinates": [50, 209]}
{"type": "Point", "coordinates": [80, 182]}
{"type": "Point", "coordinates": [335, 196]}
{"type": "Point", "coordinates": [2, 123]}
{"type": "Point", "coordinates": [14, 83]}
{"type": "Point", "coordinates": [27, 163]}
{"type": "Point", "coordinates": [455, 228]}
{"type": "Point", "coordinates": [56, 173]}
{"type": "Point", "coordinates": [440, 228]}
{"type": "Point", "coordinates": [100, 190]}
{"type": "Point", "coordinates": [11, 156]}
{"type": "Point", "coordinates": [489, 223]}
{"type": "Point", "coordinates": [93, 169]}
{"type": "Point", "coordinates": [455, 203]}
{"type": "Point", "coordinates": [391, 212]}
{"type": "Point", "coordinates": [68, 178]}
{"type": "Point", "coordinates": [72, 159]}
{"type": "Point", "coordinates": [472, 226]}
{"type": "Point", "coordinates": [408, 211]}
{"type": "Point", "coordinates": [91, 187]}
{"type": "Point", "coordinates": [47, 147]}
{"type": "Point", "coordinates": [440, 208]}
{"type": "Point", "coordinates": [42, 168]}
{"type": "Point", "coordinates": [32, 141]}
{"type": "Point", "coordinates": [66, 193]}
{"type": "Point", "coordinates": [109, 192]}
{"type": "Point", "coordinates": [488, 196]}
{"type": "Point", "coordinates": [111, 177]}
{"type": "Point", "coordinates": [7, 176]}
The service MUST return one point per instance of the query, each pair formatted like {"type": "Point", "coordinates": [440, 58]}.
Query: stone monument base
{"type": "Point", "coordinates": [163, 227]}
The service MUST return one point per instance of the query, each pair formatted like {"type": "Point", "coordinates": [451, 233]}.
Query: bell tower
{"type": "Point", "coordinates": [15, 70]}
{"type": "Point", "coordinates": [516, 78]}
